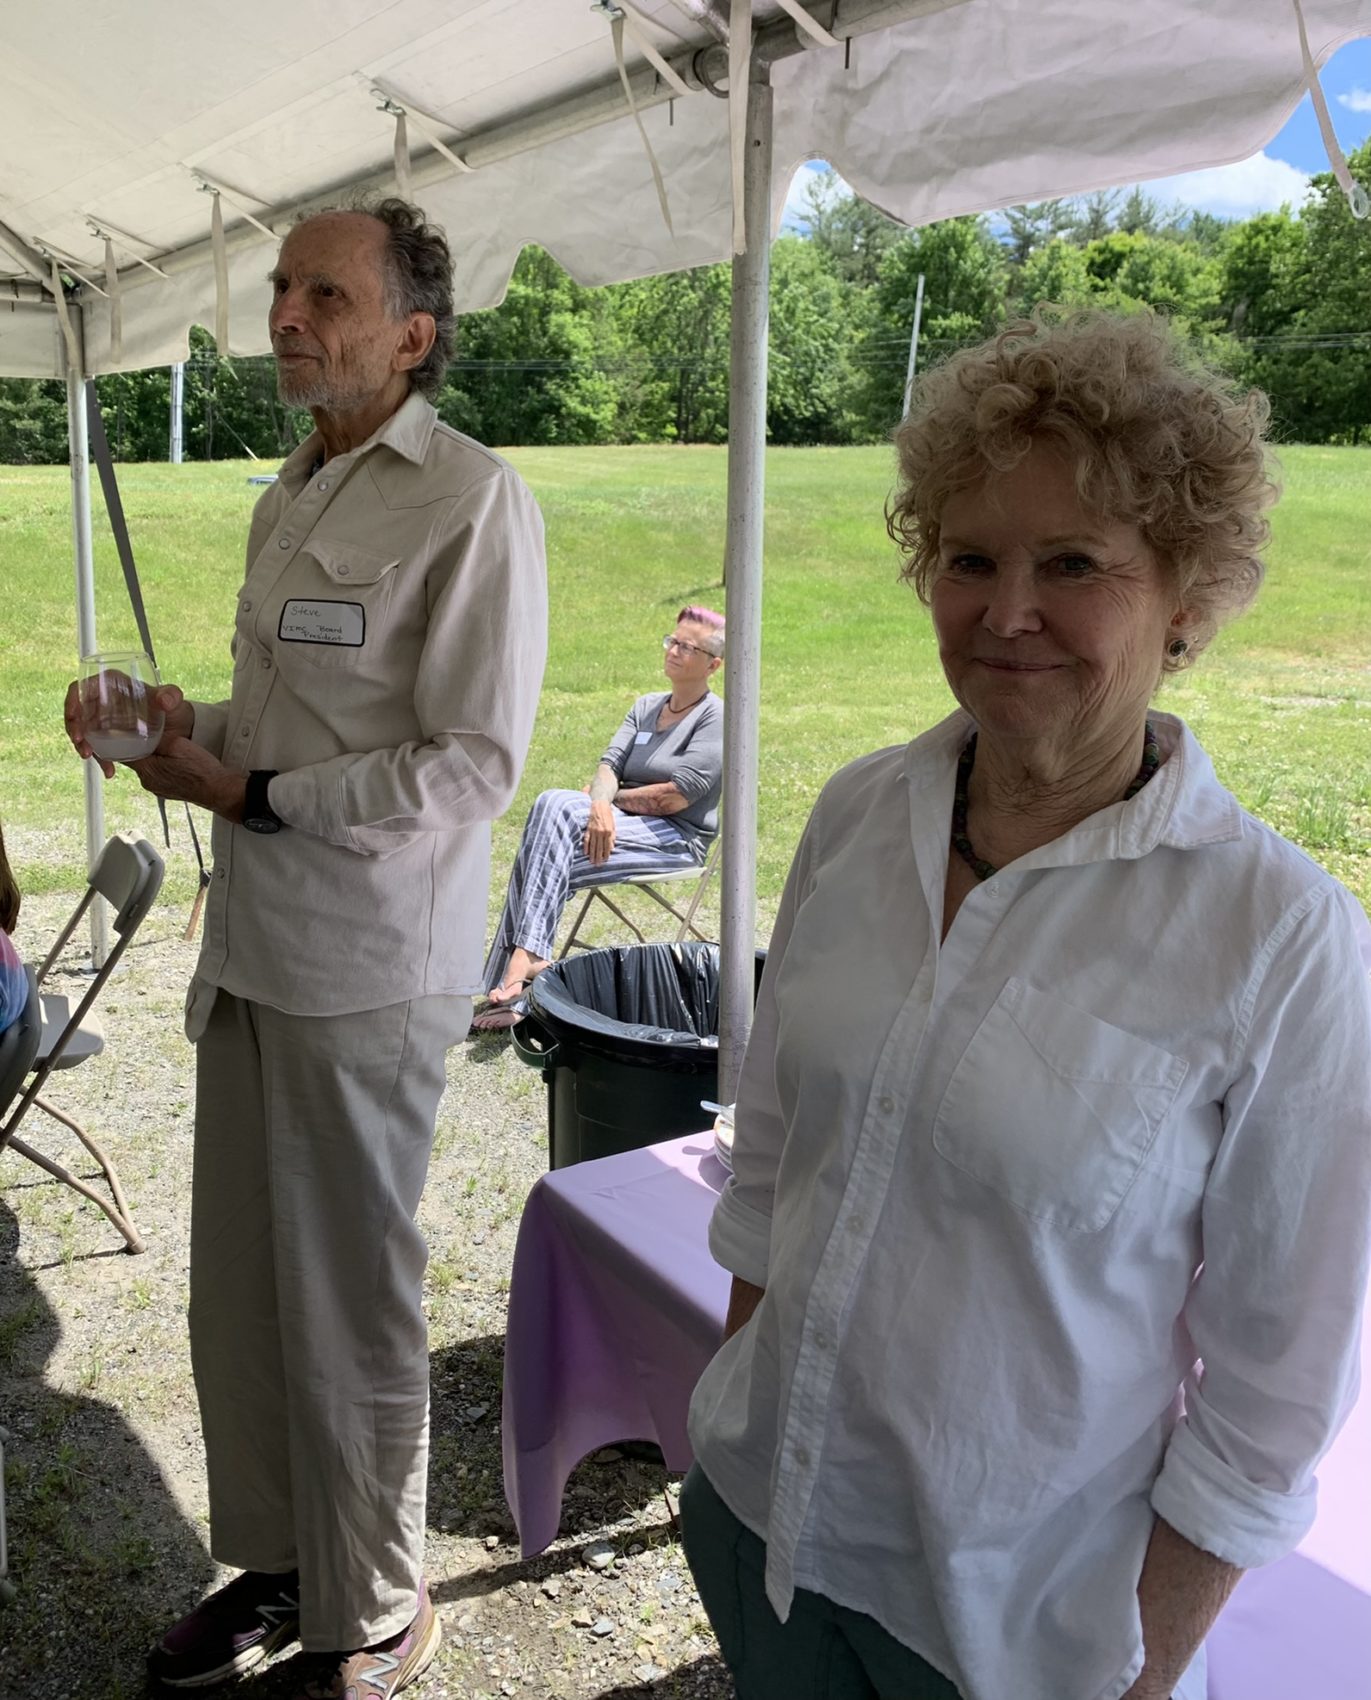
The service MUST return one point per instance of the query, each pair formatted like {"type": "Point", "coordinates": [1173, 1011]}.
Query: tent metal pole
{"type": "Point", "coordinates": [79, 445]}
{"type": "Point", "coordinates": [178, 397]}
{"type": "Point", "coordinates": [743, 572]}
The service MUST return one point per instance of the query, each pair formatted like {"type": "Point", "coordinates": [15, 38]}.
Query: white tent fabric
{"type": "Point", "coordinates": [966, 105]}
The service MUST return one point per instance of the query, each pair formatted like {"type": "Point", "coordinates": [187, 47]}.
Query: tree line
{"type": "Point", "coordinates": [1279, 299]}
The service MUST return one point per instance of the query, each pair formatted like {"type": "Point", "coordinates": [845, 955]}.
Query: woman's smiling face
{"type": "Point", "coordinates": [1052, 621]}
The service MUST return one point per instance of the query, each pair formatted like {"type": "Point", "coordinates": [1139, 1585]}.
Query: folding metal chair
{"type": "Point", "coordinates": [128, 875]}
{"type": "Point", "coordinates": [18, 1048]}
{"type": "Point", "coordinates": [649, 883]}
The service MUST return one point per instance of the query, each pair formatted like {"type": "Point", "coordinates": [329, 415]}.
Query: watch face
{"type": "Point", "coordinates": [262, 825]}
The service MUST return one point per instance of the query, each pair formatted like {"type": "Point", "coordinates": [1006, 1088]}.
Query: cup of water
{"type": "Point", "coordinates": [122, 722]}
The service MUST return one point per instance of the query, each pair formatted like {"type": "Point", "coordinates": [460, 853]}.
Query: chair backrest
{"type": "Point", "coordinates": [19, 1044]}
{"type": "Point", "coordinates": [128, 875]}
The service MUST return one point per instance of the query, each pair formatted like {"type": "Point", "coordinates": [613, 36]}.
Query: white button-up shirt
{"type": "Point", "coordinates": [388, 654]}
{"type": "Point", "coordinates": [1003, 1192]}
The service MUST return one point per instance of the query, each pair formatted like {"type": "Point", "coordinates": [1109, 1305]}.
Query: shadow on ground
{"type": "Point", "coordinates": [94, 1530]}
{"type": "Point", "coordinates": [702, 1677]}
{"type": "Point", "coordinates": [466, 1468]}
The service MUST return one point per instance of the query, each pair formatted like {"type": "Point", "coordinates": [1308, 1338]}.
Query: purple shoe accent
{"type": "Point", "coordinates": [377, 1673]}
{"type": "Point", "coordinates": [233, 1631]}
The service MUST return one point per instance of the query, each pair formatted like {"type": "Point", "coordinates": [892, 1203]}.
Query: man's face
{"type": "Point", "coordinates": [335, 341]}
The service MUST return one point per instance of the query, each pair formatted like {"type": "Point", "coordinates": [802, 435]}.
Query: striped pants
{"type": "Point", "coordinates": [551, 864]}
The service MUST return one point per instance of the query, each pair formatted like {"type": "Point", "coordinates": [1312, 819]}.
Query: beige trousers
{"type": "Point", "coordinates": [308, 1339]}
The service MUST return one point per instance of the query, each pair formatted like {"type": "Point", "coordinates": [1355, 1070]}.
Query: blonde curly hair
{"type": "Point", "coordinates": [1158, 440]}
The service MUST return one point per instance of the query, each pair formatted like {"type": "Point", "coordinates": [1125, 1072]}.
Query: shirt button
{"type": "Point", "coordinates": [246, 605]}
{"type": "Point", "coordinates": [802, 1457]}
{"type": "Point", "coordinates": [323, 483]}
{"type": "Point", "coordinates": [266, 663]}
{"type": "Point", "coordinates": [243, 731]}
{"type": "Point", "coordinates": [887, 1105]}
{"type": "Point", "coordinates": [283, 543]}
{"type": "Point", "coordinates": [343, 570]}
{"type": "Point", "coordinates": [856, 1222]}
{"type": "Point", "coordinates": [219, 873]}
{"type": "Point", "coordinates": [822, 1339]}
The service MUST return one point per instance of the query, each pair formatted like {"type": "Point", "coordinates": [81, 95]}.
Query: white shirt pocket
{"type": "Point", "coordinates": [334, 600]}
{"type": "Point", "coordinates": [1055, 1109]}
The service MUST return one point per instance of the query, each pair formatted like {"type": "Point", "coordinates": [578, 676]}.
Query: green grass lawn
{"type": "Point", "coordinates": [1282, 701]}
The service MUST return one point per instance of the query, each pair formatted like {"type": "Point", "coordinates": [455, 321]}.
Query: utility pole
{"type": "Point", "coordinates": [913, 346]}
{"type": "Point", "coordinates": [178, 396]}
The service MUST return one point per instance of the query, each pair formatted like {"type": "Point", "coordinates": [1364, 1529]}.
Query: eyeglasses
{"type": "Point", "coordinates": [669, 643]}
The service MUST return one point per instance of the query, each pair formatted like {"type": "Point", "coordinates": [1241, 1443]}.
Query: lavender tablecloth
{"type": "Point", "coordinates": [616, 1306]}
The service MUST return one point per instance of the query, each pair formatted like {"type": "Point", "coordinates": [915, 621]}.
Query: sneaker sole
{"type": "Point", "coordinates": [248, 1660]}
{"type": "Point", "coordinates": [422, 1656]}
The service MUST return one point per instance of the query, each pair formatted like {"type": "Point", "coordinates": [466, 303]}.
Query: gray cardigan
{"type": "Point", "coordinates": [688, 755]}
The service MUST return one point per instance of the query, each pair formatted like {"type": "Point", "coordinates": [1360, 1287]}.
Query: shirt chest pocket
{"type": "Point", "coordinates": [1054, 1109]}
{"type": "Point", "coordinates": [333, 607]}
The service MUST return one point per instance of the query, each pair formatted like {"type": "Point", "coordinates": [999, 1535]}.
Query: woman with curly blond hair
{"type": "Point", "coordinates": [1052, 1164]}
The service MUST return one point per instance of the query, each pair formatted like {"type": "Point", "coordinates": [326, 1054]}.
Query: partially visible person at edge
{"type": "Point", "coordinates": [387, 657]}
{"type": "Point", "coordinates": [652, 808]}
{"type": "Point", "coordinates": [1052, 1165]}
{"type": "Point", "coordinates": [14, 986]}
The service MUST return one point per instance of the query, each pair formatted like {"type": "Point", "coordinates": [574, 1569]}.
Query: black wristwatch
{"type": "Point", "coordinates": [258, 814]}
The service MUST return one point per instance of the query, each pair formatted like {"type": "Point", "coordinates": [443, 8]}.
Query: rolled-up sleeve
{"type": "Point", "coordinates": [1275, 1312]}
{"type": "Point", "coordinates": [740, 1228]}
{"type": "Point", "coordinates": [475, 695]}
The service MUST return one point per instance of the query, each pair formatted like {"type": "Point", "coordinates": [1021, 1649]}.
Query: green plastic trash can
{"type": "Point", "coordinates": [627, 1042]}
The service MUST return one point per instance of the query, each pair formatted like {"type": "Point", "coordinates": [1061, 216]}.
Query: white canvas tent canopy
{"type": "Point", "coordinates": [626, 137]}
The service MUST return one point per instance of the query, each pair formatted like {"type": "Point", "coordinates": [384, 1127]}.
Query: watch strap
{"type": "Point", "coordinates": [256, 806]}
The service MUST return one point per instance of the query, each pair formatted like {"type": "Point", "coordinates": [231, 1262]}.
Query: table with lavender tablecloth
{"type": "Point", "coordinates": [616, 1306]}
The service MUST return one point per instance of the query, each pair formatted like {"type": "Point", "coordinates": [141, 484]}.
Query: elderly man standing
{"type": "Point", "coordinates": [388, 653]}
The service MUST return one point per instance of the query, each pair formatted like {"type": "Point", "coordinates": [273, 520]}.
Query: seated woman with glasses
{"type": "Point", "coordinates": [652, 807]}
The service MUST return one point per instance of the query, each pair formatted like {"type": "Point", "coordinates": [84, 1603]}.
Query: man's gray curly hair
{"type": "Point", "coordinates": [418, 277]}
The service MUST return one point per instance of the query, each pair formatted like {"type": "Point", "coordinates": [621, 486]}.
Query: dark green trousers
{"type": "Point", "coordinates": [822, 1651]}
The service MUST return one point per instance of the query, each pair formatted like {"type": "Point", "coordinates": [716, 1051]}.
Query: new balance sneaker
{"type": "Point", "coordinates": [233, 1631]}
{"type": "Point", "coordinates": [375, 1673]}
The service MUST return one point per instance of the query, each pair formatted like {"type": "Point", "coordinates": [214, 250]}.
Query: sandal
{"type": "Point", "coordinates": [496, 1014]}
{"type": "Point", "coordinates": [497, 1017]}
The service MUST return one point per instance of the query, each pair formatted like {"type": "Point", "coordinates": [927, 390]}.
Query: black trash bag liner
{"type": "Point", "coordinates": [633, 998]}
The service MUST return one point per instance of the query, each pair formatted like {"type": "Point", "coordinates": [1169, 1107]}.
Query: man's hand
{"type": "Point", "coordinates": [180, 719]}
{"type": "Point", "coordinates": [183, 772]}
{"type": "Point", "coordinates": [599, 838]}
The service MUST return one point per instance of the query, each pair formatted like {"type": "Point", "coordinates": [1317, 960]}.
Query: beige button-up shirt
{"type": "Point", "coordinates": [388, 654]}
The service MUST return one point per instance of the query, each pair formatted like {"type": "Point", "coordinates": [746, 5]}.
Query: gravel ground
{"type": "Point", "coordinates": [104, 1468]}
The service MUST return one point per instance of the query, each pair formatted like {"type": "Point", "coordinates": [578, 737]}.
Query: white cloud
{"type": "Point", "coordinates": [1356, 100]}
{"type": "Point", "coordinates": [1259, 184]}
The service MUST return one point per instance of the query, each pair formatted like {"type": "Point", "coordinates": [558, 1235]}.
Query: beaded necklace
{"type": "Point", "coordinates": [961, 843]}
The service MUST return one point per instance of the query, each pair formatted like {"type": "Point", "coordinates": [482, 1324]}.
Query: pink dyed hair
{"type": "Point", "coordinates": [708, 618]}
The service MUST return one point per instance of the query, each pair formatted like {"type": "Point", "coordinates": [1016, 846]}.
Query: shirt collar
{"type": "Point", "coordinates": [408, 431]}
{"type": "Point", "coordinates": [1183, 806]}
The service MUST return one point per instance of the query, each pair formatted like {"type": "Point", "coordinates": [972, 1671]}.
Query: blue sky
{"type": "Point", "coordinates": [1279, 173]}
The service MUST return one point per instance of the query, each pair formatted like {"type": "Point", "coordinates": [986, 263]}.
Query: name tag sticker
{"type": "Point", "coordinates": [643, 738]}
{"type": "Point", "coordinates": [306, 621]}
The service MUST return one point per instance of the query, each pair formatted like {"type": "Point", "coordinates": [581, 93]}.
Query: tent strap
{"type": "Point", "coordinates": [1357, 197]}
{"type": "Point", "coordinates": [114, 507]}
{"type": "Point", "coordinates": [616, 27]}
